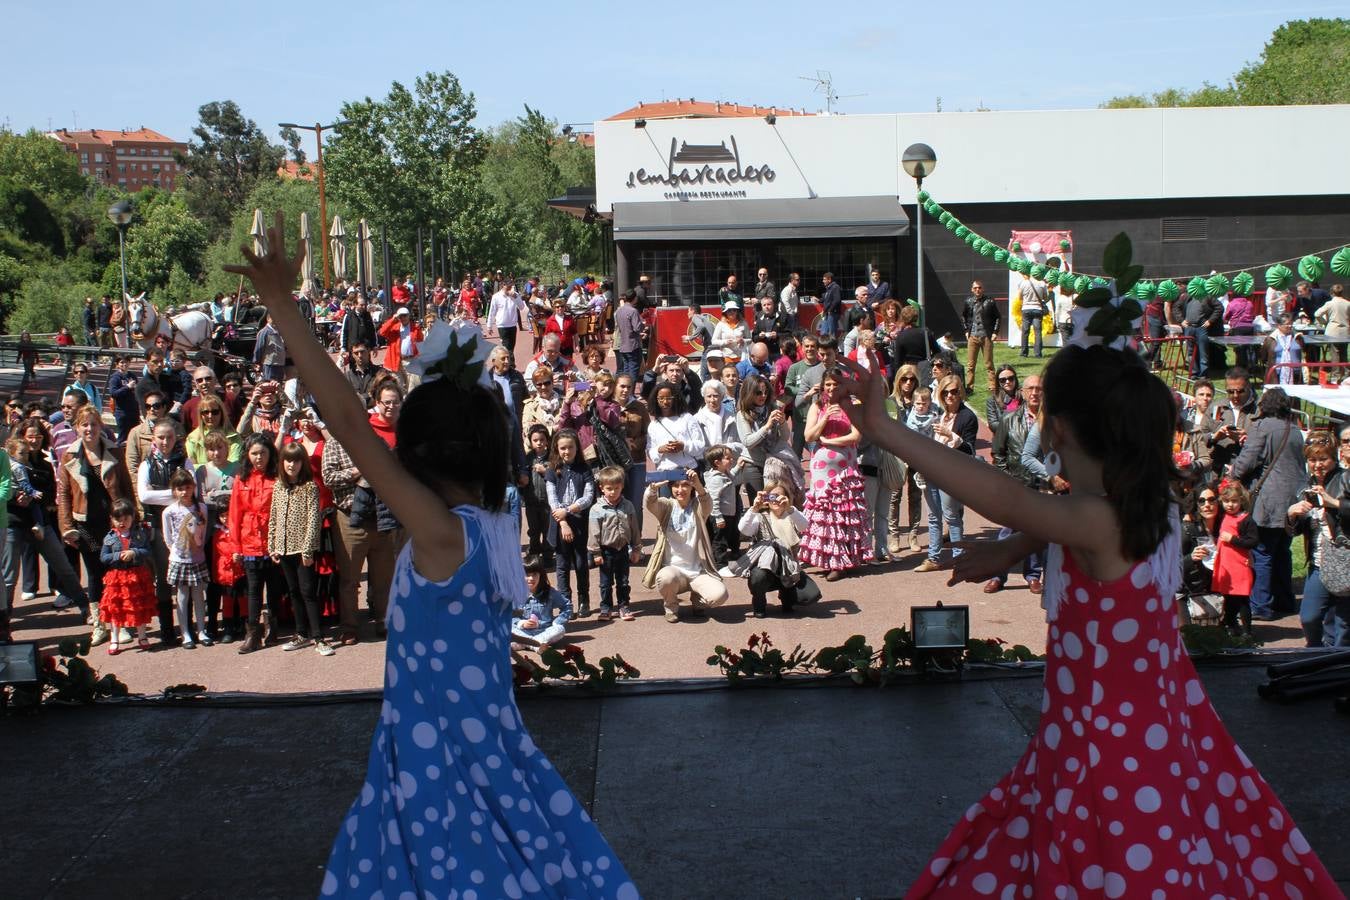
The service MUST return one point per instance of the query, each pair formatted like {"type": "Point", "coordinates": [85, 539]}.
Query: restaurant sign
{"type": "Point", "coordinates": [703, 172]}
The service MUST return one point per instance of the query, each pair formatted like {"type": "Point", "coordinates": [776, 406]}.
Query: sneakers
{"type": "Point", "coordinates": [627, 614]}
{"type": "Point", "coordinates": [99, 635]}
{"type": "Point", "coordinates": [28, 595]}
{"type": "Point", "coordinates": [672, 617]}
{"type": "Point", "coordinates": [893, 545]}
{"type": "Point", "coordinates": [323, 648]}
{"type": "Point", "coordinates": [927, 565]}
{"type": "Point", "coordinates": [299, 642]}
{"type": "Point", "coordinates": [913, 540]}
{"type": "Point", "coordinates": [62, 602]}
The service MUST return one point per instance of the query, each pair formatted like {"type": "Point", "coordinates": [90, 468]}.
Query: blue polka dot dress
{"type": "Point", "coordinates": [458, 801]}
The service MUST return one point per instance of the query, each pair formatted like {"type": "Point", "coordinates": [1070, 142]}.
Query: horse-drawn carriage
{"type": "Point", "coordinates": [224, 347]}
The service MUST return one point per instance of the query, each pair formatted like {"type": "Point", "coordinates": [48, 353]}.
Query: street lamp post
{"type": "Point", "coordinates": [919, 161]}
{"type": "Point", "coordinates": [323, 199]}
{"type": "Point", "coordinates": [120, 215]}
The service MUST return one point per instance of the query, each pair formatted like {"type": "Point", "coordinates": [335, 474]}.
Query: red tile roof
{"type": "Point", "coordinates": [701, 109]}
{"type": "Point", "coordinates": [109, 137]}
{"type": "Point", "coordinates": [292, 170]}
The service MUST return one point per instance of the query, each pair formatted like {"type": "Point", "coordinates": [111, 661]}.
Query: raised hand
{"type": "Point", "coordinates": [868, 387]}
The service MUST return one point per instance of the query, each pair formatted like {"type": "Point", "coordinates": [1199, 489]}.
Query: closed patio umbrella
{"type": "Point", "coordinates": [337, 234]}
{"type": "Point", "coordinates": [307, 267]}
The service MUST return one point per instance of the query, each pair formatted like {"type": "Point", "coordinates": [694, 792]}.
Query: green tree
{"type": "Point", "coordinates": [1305, 61]}
{"type": "Point", "coordinates": [49, 299]}
{"type": "Point", "coordinates": [228, 157]}
{"type": "Point", "coordinates": [42, 165]}
{"type": "Point", "coordinates": [414, 159]}
{"type": "Point", "coordinates": [163, 236]}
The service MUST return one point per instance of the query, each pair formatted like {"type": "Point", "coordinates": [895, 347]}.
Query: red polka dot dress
{"type": "Point", "coordinates": [838, 534]}
{"type": "Point", "coordinates": [1131, 786]}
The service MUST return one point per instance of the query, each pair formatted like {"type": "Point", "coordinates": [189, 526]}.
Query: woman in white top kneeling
{"type": "Point", "coordinates": [682, 561]}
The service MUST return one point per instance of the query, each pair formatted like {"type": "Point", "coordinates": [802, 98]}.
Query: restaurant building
{"type": "Point", "coordinates": [692, 200]}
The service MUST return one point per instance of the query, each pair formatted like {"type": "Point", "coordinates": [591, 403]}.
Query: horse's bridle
{"type": "Point", "coordinates": [154, 319]}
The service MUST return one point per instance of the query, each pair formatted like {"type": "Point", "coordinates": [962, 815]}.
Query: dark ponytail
{"type": "Point", "coordinates": [1123, 416]}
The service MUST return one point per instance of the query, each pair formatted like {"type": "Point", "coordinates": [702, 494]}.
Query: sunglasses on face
{"type": "Point", "coordinates": [159, 405]}
{"type": "Point", "coordinates": [908, 378]}
{"type": "Point", "coordinates": [1209, 499]}
{"type": "Point", "coordinates": [1007, 378]}
{"type": "Point", "coordinates": [951, 393]}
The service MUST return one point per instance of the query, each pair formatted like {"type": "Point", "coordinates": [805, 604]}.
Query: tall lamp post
{"type": "Point", "coordinates": [120, 215]}
{"type": "Point", "coordinates": [919, 161]}
{"type": "Point", "coordinates": [323, 199]}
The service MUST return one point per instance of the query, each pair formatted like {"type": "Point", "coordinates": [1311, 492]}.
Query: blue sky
{"type": "Point", "coordinates": [79, 63]}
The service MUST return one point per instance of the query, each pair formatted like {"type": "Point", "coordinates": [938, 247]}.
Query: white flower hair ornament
{"type": "Point", "coordinates": [456, 351]}
{"type": "Point", "coordinates": [1108, 312]}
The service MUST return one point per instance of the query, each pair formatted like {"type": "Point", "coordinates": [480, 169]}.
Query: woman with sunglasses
{"type": "Point", "coordinates": [956, 427]}
{"type": "Point", "coordinates": [1199, 533]}
{"type": "Point", "coordinates": [764, 429]}
{"type": "Point", "coordinates": [82, 382]}
{"type": "Point", "coordinates": [1005, 398]}
{"type": "Point", "coordinates": [211, 417]}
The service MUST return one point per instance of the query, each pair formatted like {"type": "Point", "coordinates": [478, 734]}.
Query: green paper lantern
{"type": "Point", "coordinates": [989, 249]}
{"type": "Point", "coordinates": [1168, 290]}
{"type": "Point", "coordinates": [1000, 255]}
{"type": "Point", "coordinates": [972, 239]}
{"type": "Point", "coordinates": [1198, 288]}
{"type": "Point", "coordinates": [1340, 262]}
{"type": "Point", "coordinates": [1279, 277]}
{"type": "Point", "coordinates": [1017, 246]}
{"type": "Point", "coordinates": [1038, 272]}
{"type": "Point", "coordinates": [945, 217]}
{"type": "Point", "coordinates": [1066, 284]}
{"type": "Point", "coordinates": [934, 208]}
{"type": "Point", "coordinates": [961, 231]}
{"type": "Point", "coordinates": [1065, 246]}
{"type": "Point", "coordinates": [954, 223]}
{"type": "Point", "coordinates": [979, 245]}
{"type": "Point", "coordinates": [923, 196]}
{"type": "Point", "coordinates": [1081, 283]}
{"type": "Point", "coordinates": [1243, 282]}
{"type": "Point", "coordinates": [1051, 277]}
{"type": "Point", "coordinates": [1099, 282]}
{"type": "Point", "coordinates": [1311, 268]}
{"type": "Point", "coordinates": [1217, 285]}
{"type": "Point", "coordinates": [1145, 290]}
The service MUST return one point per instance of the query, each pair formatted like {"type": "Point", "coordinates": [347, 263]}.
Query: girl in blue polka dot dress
{"type": "Point", "coordinates": [457, 800]}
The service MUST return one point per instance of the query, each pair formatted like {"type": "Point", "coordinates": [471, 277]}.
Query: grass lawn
{"type": "Point", "coordinates": [1003, 356]}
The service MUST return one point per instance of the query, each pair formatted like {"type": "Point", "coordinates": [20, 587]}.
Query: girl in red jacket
{"type": "Point", "coordinates": [250, 512]}
{"type": "Point", "coordinates": [1233, 558]}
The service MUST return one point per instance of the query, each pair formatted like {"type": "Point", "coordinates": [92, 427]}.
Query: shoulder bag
{"type": "Point", "coordinates": [1284, 442]}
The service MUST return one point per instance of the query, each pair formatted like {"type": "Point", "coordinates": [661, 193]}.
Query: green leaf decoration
{"type": "Point", "coordinates": [1038, 272]}
{"type": "Point", "coordinates": [1279, 276]}
{"type": "Point", "coordinates": [1198, 288]}
{"type": "Point", "coordinates": [1243, 282]}
{"type": "Point", "coordinates": [1145, 290]}
{"type": "Point", "coordinates": [1094, 298]}
{"type": "Point", "coordinates": [1017, 247]}
{"type": "Point", "coordinates": [923, 196]}
{"type": "Point", "coordinates": [1102, 323]}
{"type": "Point", "coordinates": [1116, 258]}
{"type": "Point", "coordinates": [1217, 285]}
{"type": "Point", "coordinates": [456, 365]}
{"type": "Point", "coordinates": [1052, 277]}
{"type": "Point", "coordinates": [1130, 310]}
{"type": "Point", "coordinates": [945, 217]}
{"type": "Point", "coordinates": [1125, 282]}
{"type": "Point", "coordinates": [1169, 290]}
{"type": "Point", "coordinates": [1311, 267]}
{"type": "Point", "coordinates": [1081, 284]}
{"type": "Point", "coordinates": [1065, 245]}
{"type": "Point", "coordinates": [1000, 255]}
{"type": "Point", "coordinates": [1340, 262]}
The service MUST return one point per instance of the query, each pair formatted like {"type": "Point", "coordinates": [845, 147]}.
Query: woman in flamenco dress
{"type": "Point", "coordinates": [1131, 786]}
{"type": "Point", "coordinates": [458, 801]}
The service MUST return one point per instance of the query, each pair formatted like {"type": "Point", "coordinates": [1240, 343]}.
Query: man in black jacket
{"type": "Point", "coordinates": [771, 325]}
{"type": "Point", "coordinates": [831, 306]}
{"type": "Point", "coordinates": [357, 326]}
{"type": "Point", "coordinates": [982, 318]}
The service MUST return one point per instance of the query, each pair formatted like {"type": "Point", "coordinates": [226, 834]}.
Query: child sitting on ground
{"type": "Point", "coordinates": [537, 622]}
{"type": "Point", "coordinates": [614, 541]}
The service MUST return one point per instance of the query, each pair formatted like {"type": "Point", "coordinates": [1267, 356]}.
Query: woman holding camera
{"type": "Point", "coordinates": [775, 526]}
{"type": "Point", "coordinates": [1321, 514]}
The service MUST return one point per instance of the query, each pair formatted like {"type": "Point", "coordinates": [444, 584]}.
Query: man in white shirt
{"type": "Point", "coordinates": [504, 315]}
{"type": "Point", "coordinates": [788, 299]}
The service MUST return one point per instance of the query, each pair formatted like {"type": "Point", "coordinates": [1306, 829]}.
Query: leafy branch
{"type": "Point", "coordinates": [568, 663]}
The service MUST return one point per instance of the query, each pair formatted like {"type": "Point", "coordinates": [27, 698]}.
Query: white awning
{"type": "Point", "coordinates": [722, 220]}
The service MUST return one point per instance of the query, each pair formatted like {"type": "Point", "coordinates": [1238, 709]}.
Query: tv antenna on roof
{"type": "Point", "coordinates": [824, 83]}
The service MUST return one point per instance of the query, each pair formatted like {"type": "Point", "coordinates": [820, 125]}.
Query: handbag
{"type": "Point", "coordinates": [611, 448]}
{"type": "Point", "coordinates": [1335, 568]}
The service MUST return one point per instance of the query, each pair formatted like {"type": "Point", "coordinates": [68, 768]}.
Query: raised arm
{"type": "Point", "coordinates": [421, 510]}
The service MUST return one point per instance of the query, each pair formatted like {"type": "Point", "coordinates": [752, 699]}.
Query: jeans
{"type": "Point", "coordinates": [1031, 326]}
{"type": "Point", "coordinates": [1200, 361]}
{"type": "Point", "coordinates": [573, 557]}
{"type": "Point", "coordinates": [628, 362]}
{"type": "Point", "coordinates": [762, 581]}
{"type": "Point", "coordinates": [1325, 619]}
{"type": "Point", "coordinates": [878, 507]}
{"type": "Point", "coordinates": [1032, 567]}
{"type": "Point", "coordinates": [829, 324]}
{"type": "Point", "coordinates": [260, 571]}
{"type": "Point", "coordinates": [60, 575]}
{"type": "Point", "coordinates": [303, 585]}
{"type": "Point", "coordinates": [159, 562]}
{"type": "Point", "coordinates": [614, 567]}
{"type": "Point", "coordinates": [1272, 573]}
{"type": "Point", "coordinates": [952, 512]}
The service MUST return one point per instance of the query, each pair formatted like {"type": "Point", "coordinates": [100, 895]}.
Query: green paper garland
{"type": "Point", "coordinates": [1243, 282]}
{"type": "Point", "coordinates": [1051, 277]}
{"type": "Point", "coordinates": [1081, 283]}
{"type": "Point", "coordinates": [989, 249]}
{"type": "Point", "coordinates": [1145, 290]}
{"type": "Point", "coordinates": [1340, 262]}
{"type": "Point", "coordinates": [1065, 245]}
{"type": "Point", "coordinates": [1217, 285]}
{"type": "Point", "coordinates": [1198, 288]}
{"type": "Point", "coordinates": [1000, 255]}
{"type": "Point", "coordinates": [1098, 283]}
{"type": "Point", "coordinates": [1066, 284]}
{"type": "Point", "coordinates": [1168, 290]}
{"type": "Point", "coordinates": [962, 231]}
{"type": "Point", "coordinates": [923, 196]}
{"type": "Point", "coordinates": [1038, 272]}
{"type": "Point", "coordinates": [1279, 277]}
{"type": "Point", "coordinates": [1311, 267]}
{"type": "Point", "coordinates": [1017, 246]}
{"type": "Point", "coordinates": [954, 223]}
{"type": "Point", "coordinates": [945, 218]}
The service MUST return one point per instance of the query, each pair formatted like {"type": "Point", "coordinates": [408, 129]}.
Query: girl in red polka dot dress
{"type": "Point", "coordinates": [1131, 786]}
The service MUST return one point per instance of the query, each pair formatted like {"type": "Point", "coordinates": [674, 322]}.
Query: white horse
{"type": "Point", "coordinates": [189, 329]}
